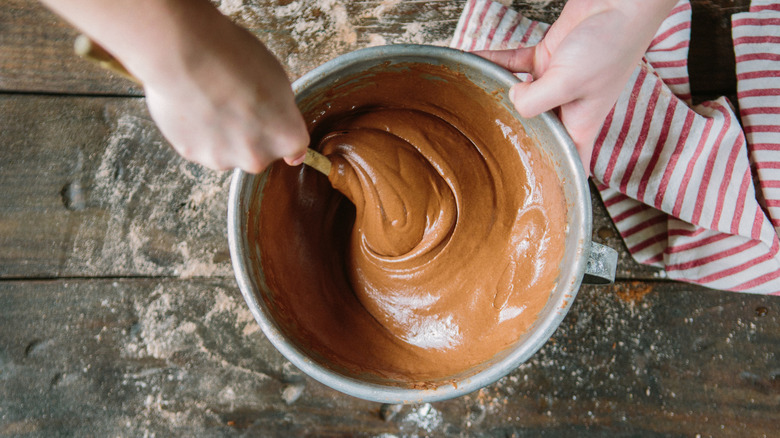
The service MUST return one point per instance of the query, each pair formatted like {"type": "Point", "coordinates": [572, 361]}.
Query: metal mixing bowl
{"type": "Point", "coordinates": [551, 138]}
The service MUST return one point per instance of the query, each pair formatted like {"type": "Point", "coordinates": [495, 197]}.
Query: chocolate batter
{"type": "Point", "coordinates": [447, 247]}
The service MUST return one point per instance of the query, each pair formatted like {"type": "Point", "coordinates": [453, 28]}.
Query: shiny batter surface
{"type": "Point", "coordinates": [447, 246]}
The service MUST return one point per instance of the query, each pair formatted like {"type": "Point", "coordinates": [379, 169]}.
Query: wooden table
{"type": "Point", "coordinates": [120, 315]}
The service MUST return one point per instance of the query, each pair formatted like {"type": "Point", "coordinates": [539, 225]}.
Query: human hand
{"type": "Point", "coordinates": [230, 106]}
{"type": "Point", "coordinates": [224, 101]}
{"type": "Point", "coordinates": [216, 93]}
{"type": "Point", "coordinates": [583, 63]}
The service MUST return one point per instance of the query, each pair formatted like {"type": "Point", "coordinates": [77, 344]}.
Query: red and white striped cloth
{"type": "Point", "coordinates": [689, 189]}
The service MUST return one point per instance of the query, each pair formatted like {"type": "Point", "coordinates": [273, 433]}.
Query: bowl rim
{"type": "Point", "coordinates": [545, 326]}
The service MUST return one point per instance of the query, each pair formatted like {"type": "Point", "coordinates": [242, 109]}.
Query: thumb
{"type": "Point", "coordinates": [294, 142]}
{"type": "Point", "coordinates": [547, 92]}
{"type": "Point", "coordinates": [294, 160]}
{"type": "Point", "coordinates": [514, 60]}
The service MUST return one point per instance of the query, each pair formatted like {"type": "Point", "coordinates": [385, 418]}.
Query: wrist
{"type": "Point", "coordinates": [156, 40]}
{"type": "Point", "coordinates": [173, 42]}
{"type": "Point", "coordinates": [639, 21]}
{"type": "Point", "coordinates": [644, 10]}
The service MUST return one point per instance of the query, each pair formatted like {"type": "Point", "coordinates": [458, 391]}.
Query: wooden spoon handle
{"type": "Point", "coordinates": [94, 52]}
{"type": "Point", "coordinates": [317, 161]}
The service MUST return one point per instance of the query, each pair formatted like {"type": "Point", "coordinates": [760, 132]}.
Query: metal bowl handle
{"type": "Point", "coordinates": [602, 263]}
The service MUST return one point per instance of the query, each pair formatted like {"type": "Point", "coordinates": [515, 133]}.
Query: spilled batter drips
{"type": "Point", "coordinates": [450, 242]}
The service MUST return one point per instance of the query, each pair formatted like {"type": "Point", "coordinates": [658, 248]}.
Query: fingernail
{"type": "Point", "coordinates": [513, 93]}
{"type": "Point", "coordinates": [296, 160]}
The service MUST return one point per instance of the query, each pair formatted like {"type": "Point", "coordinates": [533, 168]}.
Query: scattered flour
{"type": "Point", "coordinates": [383, 7]}
{"type": "Point", "coordinates": [176, 330]}
{"type": "Point", "coordinates": [374, 39]}
{"type": "Point", "coordinates": [306, 33]}
{"type": "Point", "coordinates": [423, 417]}
{"type": "Point", "coordinates": [237, 310]}
{"type": "Point", "coordinates": [162, 333]}
{"type": "Point", "coordinates": [233, 7]}
{"type": "Point", "coordinates": [161, 214]}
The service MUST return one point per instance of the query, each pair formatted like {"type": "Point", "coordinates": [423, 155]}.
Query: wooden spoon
{"type": "Point", "coordinates": [91, 51]}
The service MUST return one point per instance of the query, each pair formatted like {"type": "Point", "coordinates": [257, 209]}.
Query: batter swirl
{"type": "Point", "coordinates": [452, 246]}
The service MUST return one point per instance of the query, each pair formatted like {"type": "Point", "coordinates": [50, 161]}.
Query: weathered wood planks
{"type": "Point", "coordinates": [36, 55]}
{"type": "Point", "coordinates": [90, 188]}
{"type": "Point", "coordinates": [36, 52]}
{"type": "Point", "coordinates": [184, 357]}
{"type": "Point", "coordinates": [711, 64]}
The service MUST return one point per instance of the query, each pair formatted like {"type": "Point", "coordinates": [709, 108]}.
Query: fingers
{"type": "Point", "coordinates": [585, 151]}
{"type": "Point", "coordinates": [516, 60]}
{"type": "Point", "coordinates": [553, 89]}
{"type": "Point", "coordinates": [231, 149]}
{"type": "Point", "coordinates": [292, 144]}
{"type": "Point", "coordinates": [531, 98]}
{"type": "Point", "coordinates": [295, 160]}
{"type": "Point", "coordinates": [583, 121]}
{"type": "Point", "coordinates": [296, 142]}
{"type": "Point", "coordinates": [549, 91]}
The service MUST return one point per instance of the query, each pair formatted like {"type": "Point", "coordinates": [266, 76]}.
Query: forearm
{"type": "Point", "coordinates": [647, 9]}
{"type": "Point", "coordinates": [154, 39]}
{"type": "Point", "coordinates": [640, 18]}
{"type": "Point", "coordinates": [217, 94]}
{"type": "Point", "coordinates": [644, 16]}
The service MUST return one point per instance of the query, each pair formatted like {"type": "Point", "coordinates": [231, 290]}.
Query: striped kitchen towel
{"type": "Point", "coordinates": [690, 189]}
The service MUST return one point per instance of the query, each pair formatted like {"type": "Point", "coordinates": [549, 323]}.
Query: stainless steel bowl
{"type": "Point", "coordinates": [551, 138]}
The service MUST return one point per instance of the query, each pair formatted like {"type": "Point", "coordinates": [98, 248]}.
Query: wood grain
{"type": "Point", "coordinates": [711, 64]}
{"type": "Point", "coordinates": [184, 358]}
{"type": "Point", "coordinates": [104, 332]}
{"type": "Point", "coordinates": [92, 189]}
{"type": "Point", "coordinates": [36, 47]}
{"type": "Point", "coordinates": [36, 53]}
